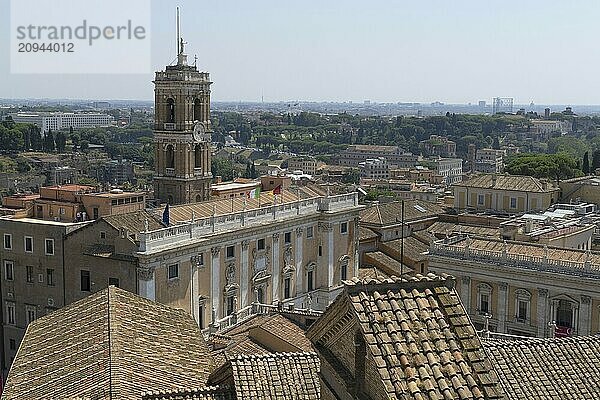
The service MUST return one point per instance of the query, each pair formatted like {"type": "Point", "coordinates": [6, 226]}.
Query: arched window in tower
{"type": "Point", "coordinates": [170, 157]}
{"type": "Point", "coordinates": [170, 110]}
{"type": "Point", "coordinates": [198, 156]}
{"type": "Point", "coordinates": [198, 110]}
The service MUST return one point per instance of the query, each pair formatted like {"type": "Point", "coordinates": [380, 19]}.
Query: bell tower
{"type": "Point", "coordinates": [182, 131]}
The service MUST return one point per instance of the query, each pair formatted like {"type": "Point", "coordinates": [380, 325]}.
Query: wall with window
{"type": "Point", "coordinates": [31, 263]}
{"type": "Point", "coordinates": [106, 253]}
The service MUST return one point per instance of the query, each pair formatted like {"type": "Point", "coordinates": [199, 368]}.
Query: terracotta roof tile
{"type": "Point", "coordinates": [87, 350]}
{"type": "Point", "coordinates": [277, 376]}
{"type": "Point", "coordinates": [421, 338]}
{"type": "Point", "coordinates": [506, 182]}
{"type": "Point", "coordinates": [391, 213]}
{"type": "Point", "coordinates": [545, 369]}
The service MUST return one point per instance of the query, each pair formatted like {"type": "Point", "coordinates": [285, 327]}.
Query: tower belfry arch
{"type": "Point", "coordinates": [182, 131]}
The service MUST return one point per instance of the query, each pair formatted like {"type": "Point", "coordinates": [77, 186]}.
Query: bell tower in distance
{"type": "Point", "coordinates": [182, 132]}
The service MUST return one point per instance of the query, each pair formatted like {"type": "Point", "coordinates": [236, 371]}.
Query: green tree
{"type": "Point", "coordinates": [61, 142]}
{"type": "Point", "coordinates": [586, 163]}
{"type": "Point", "coordinates": [595, 160]}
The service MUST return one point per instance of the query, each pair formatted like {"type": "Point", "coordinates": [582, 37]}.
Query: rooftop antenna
{"type": "Point", "coordinates": [177, 43]}
{"type": "Point", "coordinates": [181, 57]}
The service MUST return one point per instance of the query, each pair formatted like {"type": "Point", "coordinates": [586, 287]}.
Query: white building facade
{"type": "Point", "coordinates": [59, 121]}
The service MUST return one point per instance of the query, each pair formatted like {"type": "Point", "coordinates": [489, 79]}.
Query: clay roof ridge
{"type": "Point", "coordinates": [297, 354]}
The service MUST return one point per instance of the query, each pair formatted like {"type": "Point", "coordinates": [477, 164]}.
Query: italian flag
{"type": "Point", "coordinates": [254, 193]}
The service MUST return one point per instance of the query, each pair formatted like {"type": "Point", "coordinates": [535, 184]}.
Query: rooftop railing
{"type": "Point", "coordinates": [450, 248]}
{"type": "Point", "coordinates": [207, 226]}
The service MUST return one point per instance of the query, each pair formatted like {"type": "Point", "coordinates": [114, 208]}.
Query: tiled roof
{"type": "Point", "coordinates": [424, 237]}
{"type": "Point", "coordinates": [183, 213]}
{"type": "Point", "coordinates": [134, 222]}
{"type": "Point", "coordinates": [548, 369]}
{"type": "Point", "coordinates": [506, 182]}
{"type": "Point", "coordinates": [420, 338]}
{"type": "Point", "coordinates": [112, 344]}
{"type": "Point", "coordinates": [385, 263]}
{"type": "Point", "coordinates": [440, 229]}
{"type": "Point", "coordinates": [366, 233]}
{"type": "Point", "coordinates": [205, 393]}
{"type": "Point", "coordinates": [276, 376]}
{"type": "Point", "coordinates": [371, 273]}
{"type": "Point", "coordinates": [413, 248]}
{"type": "Point", "coordinates": [261, 334]}
{"type": "Point", "coordinates": [391, 213]}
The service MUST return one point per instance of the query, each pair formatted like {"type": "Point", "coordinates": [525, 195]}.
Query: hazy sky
{"type": "Point", "coordinates": [452, 51]}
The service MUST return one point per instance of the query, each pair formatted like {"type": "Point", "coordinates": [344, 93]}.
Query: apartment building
{"type": "Point", "coordinates": [353, 155]}
{"type": "Point", "coordinates": [374, 168]}
{"type": "Point", "coordinates": [307, 165]}
{"type": "Point", "coordinates": [32, 275]}
{"type": "Point", "coordinates": [509, 194]}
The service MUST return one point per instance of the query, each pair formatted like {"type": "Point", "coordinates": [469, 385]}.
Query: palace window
{"type": "Point", "coordinates": [30, 312]}
{"type": "Point", "coordinates": [10, 314]}
{"type": "Point", "coordinates": [230, 305]}
{"type": "Point", "coordinates": [28, 244]}
{"type": "Point", "coordinates": [198, 156]}
{"type": "Point", "coordinates": [29, 271]}
{"type": "Point", "coordinates": [344, 227]}
{"type": "Point", "coordinates": [344, 272]}
{"type": "Point", "coordinates": [173, 271]}
{"type": "Point", "coordinates": [49, 247]}
{"type": "Point", "coordinates": [260, 295]}
{"type": "Point", "coordinates": [260, 244]}
{"type": "Point", "coordinates": [513, 202]}
{"type": "Point", "coordinates": [564, 313]}
{"type": "Point", "coordinates": [484, 299]}
{"type": "Point", "coordinates": [8, 241]}
{"type": "Point", "coordinates": [287, 288]}
{"type": "Point", "coordinates": [9, 270]}
{"type": "Point", "coordinates": [287, 237]}
{"type": "Point", "coordinates": [230, 251]}
{"type": "Point", "coordinates": [522, 305]}
{"type": "Point", "coordinates": [86, 283]}
{"type": "Point", "coordinates": [480, 199]}
{"type": "Point", "coordinates": [50, 276]}
{"type": "Point", "coordinates": [309, 232]}
{"type": "Point", "coordinates": [310, 281]}
{"type": "Point", "coordinates": [113, 282]}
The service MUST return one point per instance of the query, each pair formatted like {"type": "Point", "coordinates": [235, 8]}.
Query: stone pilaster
{"type": "Point", "coordinates": [215, 283]}
{"type": "Point", "coordinates": [465, 292]}
{"type": "Point", "coordinates": [244, 273]}
{"type": "Point", "coordinates": [276, 269]}
{"type": "Point", "coordinates": [146, 283]}
{"type": "Point", "coordinates": [541, 318]}
{"type": "Point", "coordinates": [298, 261]}
{"type": "Point", "coordinates": [585, 316]}
{"type": "Point", "coordinates": [502, 306]}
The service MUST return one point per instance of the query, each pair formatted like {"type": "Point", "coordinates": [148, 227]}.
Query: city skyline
{"type": "Point", "coordinates": [396, 52]}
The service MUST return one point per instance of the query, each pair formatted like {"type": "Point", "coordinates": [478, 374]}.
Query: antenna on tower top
{"type": "Point", "coordinates": [181, 57]}
{"type": "Point", "coordinates": [178, 33]}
